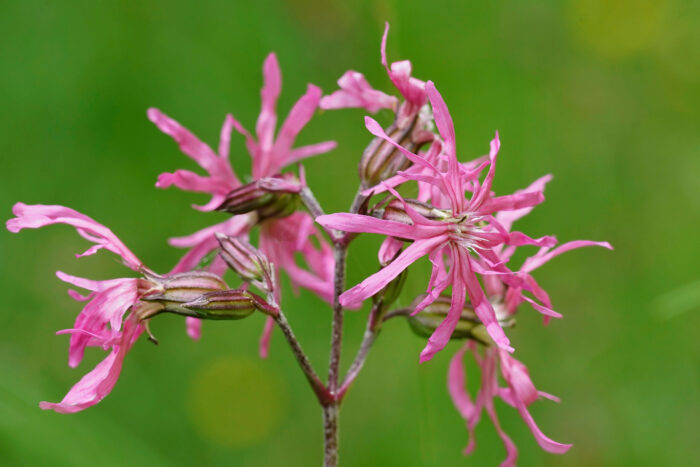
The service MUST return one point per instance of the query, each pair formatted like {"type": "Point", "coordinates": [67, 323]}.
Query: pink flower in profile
{"type": "Point", "coordinates": [356, 92]}
{"type": "Point", "coordinates": [468, 228]}
{"type": "Point", "coordinates": [108, 303]}
{"type": "Point", "coordinates": [116, 309]}
{"type": "Point", "coordinates": [519, 393]}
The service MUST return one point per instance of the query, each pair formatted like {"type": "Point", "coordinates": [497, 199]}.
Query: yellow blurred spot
{"type": "Point", "coordinates": [616, 28]}
{"type": "Point", "coordinates": [236, 402]}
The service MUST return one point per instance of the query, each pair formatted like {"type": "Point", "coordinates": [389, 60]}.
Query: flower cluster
{"type": "Point", "coordinates": [457, 221]}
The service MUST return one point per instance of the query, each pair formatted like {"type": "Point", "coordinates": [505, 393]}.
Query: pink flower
{"type": "Point", "coordinates": [519, 393]}
{"type": "Point", "coordinates": [116, 309]}
{"type": "Point", "coordinates": [108, 303]}
{"type": "Point", "coordinates": [469, 228]}
{"type": "Point", "coordinates": [269, 154]}
{"type": "Point", "coordinates": [355, 91]}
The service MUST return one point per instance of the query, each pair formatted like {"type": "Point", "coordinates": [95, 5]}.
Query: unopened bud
{"type": "Point", "coordinates": [249, 262]}
{"type": "Point", "coordinates": [268, 197]}
{"type": "Point", "coordinates": [469, 325]}
{"type": "Point", "coordinates": [228, 304]}
{"type": "Point", "coordinates": [171, 291]}
{"type": "Point", "coordinates": [381, 160]}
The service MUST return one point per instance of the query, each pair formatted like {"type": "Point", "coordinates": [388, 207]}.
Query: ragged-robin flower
{"type": "Point", "coordinates": [281, 239]}
{"type": "Point", "coordinates": [465, 237]}
{"type": "Point", "coordinates": [118, 310]}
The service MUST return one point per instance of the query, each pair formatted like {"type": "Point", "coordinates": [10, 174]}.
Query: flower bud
{"type": "Point", "coordinates": [269, 197]}
{"type": "Point", "coordinates": [469, 325]}
{"type": "Point", "coordinates": [249, 262]}
{"type": "Point", "coordinates": [227, 304]}
{"type": "Point", "coordinates": [171, 291]}
{"type": "Point", "coordinates": [381, 160]}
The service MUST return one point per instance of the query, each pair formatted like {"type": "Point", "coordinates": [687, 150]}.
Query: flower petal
{"type": "Point", "coordinates": [97, 384]}
{"type": "Point", "coordinates": [441, 336]}
{"type": "Point", "coordinates": [360, 223]}
{"type": "Point", "coordinates": [482, 307]}
{"type": "Point", "coordinates": [310, 150]}
{"type": "Point", "coordinates": [298, 117]}
{"type": "Point", "coordinates": [35, 216]}
{"type": "Point", "coordinates": [189, 144]}
{"type": "Point", "coordinates": [267, 120]}
{"type": "Point", "coordinates": [543, 256]}
{"type": "Point", "coordinates": [457, 386]}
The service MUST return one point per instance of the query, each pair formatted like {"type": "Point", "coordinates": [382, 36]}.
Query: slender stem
{"type": "Point", "coordinates": [340, 251]}
{"type": "Point", "coordinates": [329, 396]}
{"type": "Point", "coordinates": [330, 435]}
{"type": "Point", "coordinates": [371, 333]}
{"type": "Point", "coordinates": [322, 393]}
{"type": "Point", "coordinates": [311, 202]}
{"type": "Point", "coordinates": [340, 255]}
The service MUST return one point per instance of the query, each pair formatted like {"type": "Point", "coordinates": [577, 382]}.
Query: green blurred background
{"type": "Point", "coordinates": [603, 94]}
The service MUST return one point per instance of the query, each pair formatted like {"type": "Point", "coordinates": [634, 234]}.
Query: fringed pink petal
{"type": "Point", "coordinates": [457, 385]}
{"type": "Point", "coordinates": [511, 450]}
{"type": "Point", "coordinates": [304, 152]}
{"type": "Point", "coordinates": [189, 144]}
{"type": "Point", "coordinates": [516, 202]}
{"type": "Point", "coordinates": [97, 384]}
{"type": "Point", "coordinates": [35, 216]}
{"type": "Point", "coordinates": [355, 92]}
{"type": "Point", "coordinates": [507, 218]}
{"type": "Point", "coordinates": [484, 192]}
{"type": "Point", "coordinates": [360, 223]}
{"type": "Point", "coordinates": [413, 90]}
{"type": "Point", "coordinates": [482, 307]}
{"type": "Point", "coordinates": [298, 117]}
{"type": "Point", "coordinates": [517, 376]}
{"type": "Point", "coordinates": [106, 306]}
{"type": "Point", "coordinates": [441, 336]}
{"type": "Point", "coordinates": [267, 120]}
{"type": "Point", "coordinates": [545, 442]}
{"type": "Point", "coordinates": [542, 257]}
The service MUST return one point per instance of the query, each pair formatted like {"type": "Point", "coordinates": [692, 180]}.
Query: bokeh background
{"type": "Point", "coordinates": [604, 94]}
